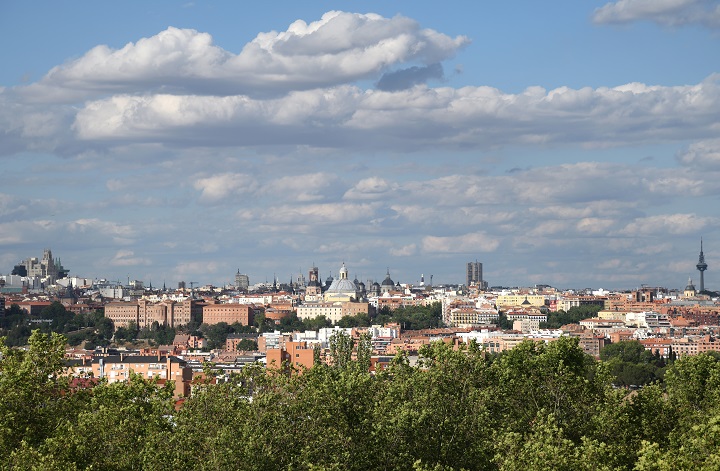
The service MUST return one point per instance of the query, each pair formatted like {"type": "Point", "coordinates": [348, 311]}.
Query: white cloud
{"type": "Point", "coordinates": [467, 243]}
{"type": "Point", "coordinates": [127, 258]}
{"type": "Point", "coordinates": [320, 214]}
{"type": "Point", "coordinates": [339, 48]}
{"type": "Point", "coordinates": [665, 12]}
{"type": "Point", "coordinates": [674, 224]}
{"type": "Point", "coordinates": [224, 186]}
{"type": "Point", "coordinates": [301, 188]}
{"type": "Point", "coordinates": [704, 155]}
{"type": "Point", "coordinates": [473, 117]}
{"type": "Point", "coordinates": [371, 188]}
{"type": "Point", "coordinates": [404, 251]}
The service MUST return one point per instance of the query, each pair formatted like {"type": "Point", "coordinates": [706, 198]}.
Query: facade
{"type": "Point", "coordinates": [332, 311]}
{"type": "Point", "coordinates": [473, 274]}
{"type": "Point", "coordinates": [242, 281]}
{"type": "Point", "coordinates": [144, 313]}
{"type": "Point", "coordinates": [118, 368]}
{"type": "Point", "coordinates": [463, 317]}
{"type": "Point", "coordinates": [313, 290]}
{"type": "Point", "coordinates": [514, 300]}
{"type": "Point", "coordinates": [48, 268]}
{"type": "Point", "coordinates": [244, 314]}
{"type": "Point", "coordinates": [292, 354]}
{"type": "Point", "coordinates": [569, 302]}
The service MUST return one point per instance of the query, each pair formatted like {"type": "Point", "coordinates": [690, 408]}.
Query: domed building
{"type": "Point", "coordinates": [387, 285]}
{"type": "Point", "coordinates": [342, 289]}
{"type": "Point", "coordinates": [342, 297]}
{"type": "Point", "coordinates": [690, 291]}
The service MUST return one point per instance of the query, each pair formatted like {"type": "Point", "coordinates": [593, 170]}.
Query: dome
{"type": "Point", "coordinates": [342, 286]}
{"type": "Point", "coordinates": [388, 281]}
{"type": "Point", "coordinates": [690, 286]}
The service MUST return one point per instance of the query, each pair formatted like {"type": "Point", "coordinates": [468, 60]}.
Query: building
{"type": "Point", "coordinates": [244, 314]}
{"type": "Point", "coordinates": [242, 281]}
{"type": "Point", "coordinates": [515, 300]}
{"type": "Point", "coordinates": [47, 269]}
{"type": "Point", "coordinates": [473, 274]}
{"type": "Point", "coordinates": [292, 355]}
{"type": "Point", "coordinates": [690, 291]}
{"type": "Point", "coordinates": [313, 290]}
{"type": "Point", "coordinates": [144, 313]}
{"type": "Point", "coordinates": [118, 368]}
{"type": "Point", "coordinates": [342, 289]}
{"type": "Point", "coordinates": [332, 311]}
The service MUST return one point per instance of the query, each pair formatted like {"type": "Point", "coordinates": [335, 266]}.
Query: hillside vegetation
{"type": "Point", "coordinates": [535, 407]}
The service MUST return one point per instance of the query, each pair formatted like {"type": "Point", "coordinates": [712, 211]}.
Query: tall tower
{"type": "Point", "coordinates": [701, 266]}
{"type": "Point", "coordinates": [473, 274]}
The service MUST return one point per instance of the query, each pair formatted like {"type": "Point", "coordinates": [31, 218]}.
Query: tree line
{"type": "Point", "coordinates": [537, 406]}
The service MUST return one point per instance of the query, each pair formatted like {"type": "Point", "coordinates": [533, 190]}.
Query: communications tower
{"type": "Point", "coordinates": [701, 266]}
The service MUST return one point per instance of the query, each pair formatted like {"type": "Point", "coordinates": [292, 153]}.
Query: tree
{"type": "Point", "coordinates": [247, 345]}
{"type": "Point", "coordinates": [32, 391]}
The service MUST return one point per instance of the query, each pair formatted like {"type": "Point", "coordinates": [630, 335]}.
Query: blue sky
{"type": "Point", "coordinates": [568, 143]}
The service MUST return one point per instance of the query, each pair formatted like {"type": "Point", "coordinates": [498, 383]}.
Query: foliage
{"type": "Point", "coordinates": [247, 345]}
{"type": "Point", "coordinates": [573, 316]}
{"type": "Point", "coordinates": [631, 364]}
{"type": "Point", "coordinates": [412, 317]}
{"type": "Point", "coordinates": [93, 327]}
{"type": "Point", "coordinates": [538, 406]}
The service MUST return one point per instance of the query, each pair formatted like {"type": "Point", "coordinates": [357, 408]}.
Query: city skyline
{"type": "Point", "coordinates": [573, 144]}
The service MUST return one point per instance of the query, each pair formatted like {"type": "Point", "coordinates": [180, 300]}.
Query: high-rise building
{"type": "Point", "coordinates": [47, 268]}
{"type": "Point", "coordinates": [242, 281]}
{"type": "Point", "coordinates": [474, 274]}
{"type": "Point", "coordinates": [701, 266]}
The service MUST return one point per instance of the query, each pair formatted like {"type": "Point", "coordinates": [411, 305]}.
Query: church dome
{"type": "Point", "coordinates": [388, 281]}
{"type": "Point", "coordinates": [342, 285]}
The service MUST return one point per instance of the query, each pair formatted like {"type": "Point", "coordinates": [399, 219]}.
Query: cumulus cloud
{"type": "Point", "coordinates": [371, 188]}
{"type": "Point", "coordinates": [704, 155]}
{"type": "Point", "coordinates": [675, 224]}
{"type": "Point", "coordinates": [467, 243]}
{"type": "Point", "coordinates": [221, 187]}
{"type": "Point", "coordinates": [127, 258]}
{"type": "Point", "coordinates": [404, 251]}
{"type": "Point", "coordinates": [302, 188]}
{"type": "Point", "coordinates": [341, 47]}
{"type": "Point", "coordinates": [321, 214]}
{"type": "Point", "coordinates": [479, 117]}
{"type": "Point", "coordinates": [665, 12]}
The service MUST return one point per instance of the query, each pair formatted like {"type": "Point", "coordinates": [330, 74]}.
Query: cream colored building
{"type": "Point", "coordinates": [332, 311]}
{"type": "Point", "coordinates": [513, 300]}
{"type": "Point", "coordinates": [144, 313]}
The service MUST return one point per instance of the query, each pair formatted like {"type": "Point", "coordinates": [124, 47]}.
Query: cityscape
{"type": "Point", "coordinates": [380, 235]}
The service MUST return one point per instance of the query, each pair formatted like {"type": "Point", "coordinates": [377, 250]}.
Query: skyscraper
{"type": "Point", "coordinates": [474, 274]}
{"type": "Point", "coordinates": [701, 266]}
{"type": "Point", "coordinates": [242, 281]}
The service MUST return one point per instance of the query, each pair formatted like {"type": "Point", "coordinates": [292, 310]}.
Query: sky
{"type": "Point", "coordinates": [575, 144]}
